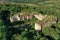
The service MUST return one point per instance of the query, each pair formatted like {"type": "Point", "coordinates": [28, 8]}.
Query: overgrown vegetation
{"type": "Point", "coordinates": [27, 32]}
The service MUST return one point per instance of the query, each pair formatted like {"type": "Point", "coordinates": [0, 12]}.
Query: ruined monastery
{"type": "Point", "coordinates": [43, 20]}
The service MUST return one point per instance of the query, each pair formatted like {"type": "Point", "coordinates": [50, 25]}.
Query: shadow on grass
{"type": "Point", "coordinates": [4, 16]}
{"type": "Point", "coordinates": [50, 38]}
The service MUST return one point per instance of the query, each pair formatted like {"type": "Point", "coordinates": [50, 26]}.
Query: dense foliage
{"type": "Point", "coordinates": [26, 1]}
{"type": "Point", "coordinates": [10, 31]}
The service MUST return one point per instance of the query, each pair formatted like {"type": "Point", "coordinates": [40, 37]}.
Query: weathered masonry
{"type": "Point", "coordinates": [43, 20]}
{"type": "Point", "coordinates": [46, 22]}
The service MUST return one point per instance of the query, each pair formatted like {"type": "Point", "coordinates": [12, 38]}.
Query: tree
{"type": "Point", "coordinates": [16, 37]}
{"type": "Point", "coordinates": [48, 31]}
{"type": "Point", "coordinates": [43, 38]}
{"type": "Point", "coordinates": [57, 25]}
{"type": "Point", "coordinates": [2, 33]}
{"type": "Point", "coordinates": [1, 23]}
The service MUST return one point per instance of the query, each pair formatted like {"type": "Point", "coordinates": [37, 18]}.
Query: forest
{"type": "Point", "coordinates": [10, 31]}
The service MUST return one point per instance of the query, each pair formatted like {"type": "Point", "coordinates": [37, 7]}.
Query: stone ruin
{"type": "Point", "coordinates": [46, 22]}
{"type": "Point", "coordinates": [20, 17]}
{"type": "Point", "coordinates": [43, 20]}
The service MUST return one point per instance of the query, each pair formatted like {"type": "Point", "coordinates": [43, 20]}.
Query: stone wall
{"type": "Point", "coordinates": [37, 26]}
{"type": "Point", "coordinates": [20, 17]}
{"type": "Point", "coordinates": [44, 20]}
